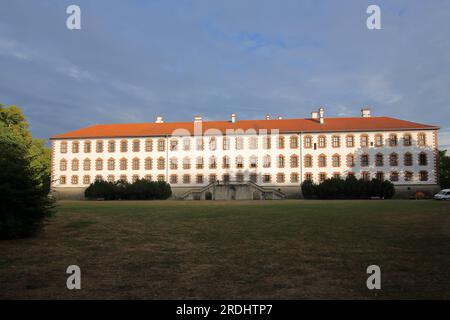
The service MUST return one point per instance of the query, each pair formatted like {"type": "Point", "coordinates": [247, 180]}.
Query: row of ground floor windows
{"type": "Point", "coordinates": [322, 160]}
{"type": "Point", "coordinates": [266, 178]}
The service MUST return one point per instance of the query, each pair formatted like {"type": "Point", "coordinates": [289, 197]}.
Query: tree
{"type": "Point", "coordinates": [24, 163]}
{"type": "Point", "coordinates": [444, 169]}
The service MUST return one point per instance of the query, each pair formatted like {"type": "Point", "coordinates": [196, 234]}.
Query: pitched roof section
{"type": "Point", "coordinates": [284, 125]}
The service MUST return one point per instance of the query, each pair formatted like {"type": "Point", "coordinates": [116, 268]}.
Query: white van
{"type": "Point", "coordinates": [442, 195]}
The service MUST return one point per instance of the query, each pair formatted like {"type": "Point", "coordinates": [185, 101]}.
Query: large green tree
{"type": "Point", "coordinates": [24, 177]}
{"type": "Point", "coordinates": [444, 169]}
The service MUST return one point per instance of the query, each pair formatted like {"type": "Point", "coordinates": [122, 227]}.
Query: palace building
{"type": "Point", "coordinates": [248, 159]}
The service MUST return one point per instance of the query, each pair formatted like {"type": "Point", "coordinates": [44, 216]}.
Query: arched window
{"type": "Point", "coordinates": [148, 163]}
{"type": "Point", "coordinates": [239, 143]}
{"type": "Point", "coordinates": [350, 160]}
{"type": "Point", "coordinates": [63, 147]}
{"type": "Point", "coordinates": [173, 163]}
{"type": "Point", "coordinates": [322, 141]}
{"type": "Point", "coordinates": [336, 160]}
{"type": "Point", "coordinates": [74, 180]}
{"type": "Point", "coordinates": [408, 176]}
{"type": "Point", "coordinates": [350, 141]}
{"type": "Point", "coordinates": [364, 141]}
{"type": "Point", "coordinates": [280, 142]}
{"type": "Point", "coordinates": [407, 140]}
{"type": "Point", "coordinates": [226, 162]}
{"type": "Point", "coordinates": [173, 145]}
{"type": "Point", "coordinates": [280, 162]}
{"type": "Point", "coordinates": [293, 142]}
{"type": "Point", "coordinates": [123, 164]}
{"type": "Point", "coordinates": [186, 144]}
{"type": "Point", "coordinates": [86, 179]}
{"type": "Point", "coordinates": [75, 147]}
{"type": "Point", "coordinates": [99, 164]}
{"type": "Point", "coordinates": [99, 146]}
{"type": "Point", "coordinates": [136, 145]}
{"type": "Point", "coordinates": [336, 141]}
{"type": "Point", "coordinates": [423, 159]}
{"type": "Point", "coordinates": [322, 161]}
{"type": "Point", "coordinates": [63, 165]}
{"type": "Point", "coordinates": [239, 162]}
{"type": "Point", "coordinates": [75, 165]}
{"type": "Point", "coordinates": [226, 143]}
{"type": "Point", "coordinates": [307, 142]}
{"type": "Point", "coordinates": [379, 160]}
{"type": "Point", "coordinates": [267, 142]}
{"type": "Point", "coordinates": [186, 163]}
{"type": "Point", "coordinates": [199, 163]}
{"type": "Point", "coordinates": [266, 161]}
{"type": "Point", "coordinates": [161, 145]}
{"type": "Point", "coordinates": [423, 175]}
{"type": "Point", "coordinates": [408, 159]}
{"type": "Point", "coordinates": [135, 164]}
{"type": "Point", "coordinates": [365, 160]}
{"type": "Point", "coordinates": [421, 139]}
{"type": "Point", "coordinates": [212, 162]}
{"type": "Point", "coordinates": [393, 160]}
{"type": "Point", "coordinates": [379, 140]}
{"type": "Point", "coordinates": [394, 176]}
{"type": "Point", "coordinates": [123, 146]}
{"type": "Point", "coordinates": [111, 146]}
{"type": "Point", "coordinates": [87, 164]}
{"type": "Point", "coordinates": [161, 165]}
{"type": "Point", "coordinates": [294, 161]}
{"type": "Point", "coordinates": [148, 145]}
{"type": "Point", "coordinates": [280, 177]}
{"type": "Point", "coordinates": [393, 140]}
{"type": "Point", "coordinates": [111, 164]}
{"type": "Point", "coordinates": [253, 162]}
{"type": "Point", "coordinates": [212, 144]}
{"type": "Point", "coordinates": [308, 159]}
{"type": "Point", "coordinates": [87, 148]}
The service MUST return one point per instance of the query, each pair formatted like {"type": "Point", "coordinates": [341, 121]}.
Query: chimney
{"type": "Point", "coordinates": [159, 119]}
{"type": "Point", "coordinates": [314, 115]}
{"type": "Point", "coordinates": [366, 112]}
{"type": "Point", "coordinates": [280, 118]}
{"type": "Point", "coordinates": [197, 118]}
{"type": "Point", "coordinates": [322, 115]}
{"type": "Point", "coordinates": [233, 118]}
{"type": "Point", "coordinates": [267, 117]}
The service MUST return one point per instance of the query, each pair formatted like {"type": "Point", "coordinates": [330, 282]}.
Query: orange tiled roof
{"type": "Point", "coordinates": [283, 125]}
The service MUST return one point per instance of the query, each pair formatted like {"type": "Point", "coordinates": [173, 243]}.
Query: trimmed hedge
{"type": "Point", "coordinates": [350, 188]}
{"type": "Point", "coordinates": [140, 190]}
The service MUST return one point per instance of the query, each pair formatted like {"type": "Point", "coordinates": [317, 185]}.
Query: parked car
{"type": "Point", "coordinates": [442, 195]}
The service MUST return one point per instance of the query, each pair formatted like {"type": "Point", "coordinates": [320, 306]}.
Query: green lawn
{"type": "Point", "coordinates": [264, 249]}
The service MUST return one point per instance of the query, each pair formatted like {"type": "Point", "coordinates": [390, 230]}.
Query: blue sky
{"type": "Point", "coordinates": [135, 59]}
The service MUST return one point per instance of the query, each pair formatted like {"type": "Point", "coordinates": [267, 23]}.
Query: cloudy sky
{"type": "Point", "coordinates": [133, 60]}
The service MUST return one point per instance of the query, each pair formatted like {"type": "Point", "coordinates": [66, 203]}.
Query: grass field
{"type": "Point", "coordinates": [222, 250]}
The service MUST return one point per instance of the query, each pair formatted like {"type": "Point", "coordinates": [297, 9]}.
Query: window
{"type": "Point", "coordinates": [365, 176]}
{"type": "Point", "coordinates": [135, 178]}
{"type": "Point", "coordinates": [63, 147]}
{"type": "Point", "coordinates": [266, 178]}
{"type": "Point", "coordinates": [212, 163]}
{"type": "Point", "coordinates": [394, 176]}
{"type": "Point", "coordinates": [123, 146]}
{"type": "Point", "coordinates": [99, 164]}
{"type": "Point", "coordinates": [62, 179]}
{"type": "Point", "coordinates": [123, 164]}
{"type": "Point", "coordinates": [199, 163]}
{"type": "Point", "coordinates": [226, 162]}
{"type": "Point", "coordinates": [173, 163]}
{"type": "Point", "coordinates": [99, 146]}
{"type": "Point", "coordinates": [393, 160]}
{"type": "Point", "coordinates": [213, 144]}
{"type": "Point", "coordinates": [86, 179]}
{"type": "Point", "coordinates": [148, 163]}
{"type": "Point", "coordinates": [239, 177]}
{"type": "Point", "coordinates": [173, 179]}
{"type": "Point", "coordinates": [308, 176]}
{"type": "Point", "coordinates": [186, 163]}
{"type": "Point", "coordinates": [364, 141]}
{"type": "Point", "coordinates": [75, 147]}
{"type": "Point", "coordinates": [253, 162]}
{"type": "Point", "coordinates": [99, 177]}
{"type": "Point", "coordinates": [280, 142]}
{"type": "Point", "coordinates": [161, 164]}
{"type": "Point", "coordinates": [336, 175]}
{"type": "Point", "coordinates": [322, 176]}
{"type": "Point", "coordinates": [350, 160]}
{"type": "Point", "coordinates": [267, 142]}
{"type": "Point", "coordinates": [307, 142]}
{"type": "Point", "coordinates": [322, 161]}
{"type": "Point", "coordinates": [364, 160]}
{"type": "Point", "coordinates": [186, 144]}
{"type": "Point", "coordinates": [226, 143]}
{"type": "Point", "coordinates": [336, 141]}
{"type": "Point", "coordinates": [111, 164]}
{"type": "Point", "coordinates": [378, 140]}
{"type": "Point", "coordinates": [293, 142]}
{"type": "Point", "coordinates": [407, 140]}
{"type": "Point", "coordinates": [186, 179]}
{"type": "Point", "coordinates": [173, 145]}
{"type": "Point", "coordinates": [308, 161]}
{"type": "Point", "coordinates": [87, 147]}
{"type": "Point", "coordinates": [123, 178]}
{"type": "Point", "coordinates": [280, 177]}
{"type": "Point", "coordinates": [75, 165]}
{"type": "Point", "coordinates": [253, 177]}
{"type": "Point", "coordinates": [423, 159]}
{"type": "Point", "coordinates": [161, 145]}
{"type": "Point", "coordinates": [253, 143]}
{"type": "Point", "coordinates": [393, 141]}
{"type": "Point", "coordinates": [136, 145]}
{"type": "Point", "coordinates": [86, 164]}
{"type": "Point", "coordinates": [226, 178]}
{"type": "Point", "coordinates": [199, 144]}
{"type": "Point", "coordinates": [280, 162]}
{"type": "Point", "coordinates": [422, 139]}
{"type": "Point", "coordinates": [380, 175]}
{"type": "Point", "coordinates": [148, 145]}
{"type": "Point", "coordinates": [161, 178]}
{"type": "Point", "coordinates": [266, 161]}
{"type": "Point", "coordinates": [63, 165]}
{"type": "Point", "coordinates": [74, 180]}
{"type": "Point", "coordinates": [294, 161]}
{"type": "Point", "coordinates": [379, 160]}
{"type": "Point", "coordinates": [239, 143]}
{"type": "Point", "coordinates": [239, 162]}
{"type": "Point", "coordinates": [294, 177]}
{"type": "Point", "coordinates": [423, 175]}
{"type": "Point", "coordinates": [110, 178]}
{"type": "Point", "coordinates": [322, 141]}
{"type": "Point", "coordinates": [135, 164]}
{"type": "Point", "coordinates": [148, 177]}
{"type": "Point", "coordinates": [212, 178]}
{"type": "Point", "coordinates": [350, 141]}
{"type": "Point", "coordinates": [111, 146]}
{"type": "Point", "coordinates": [199, 179]}
{"type": "Point", "coordinates": [408, 159]}
{"type": "Point", "coordinates": [408, 176]}
{"type": "Point", "coordinates": [336, 160]}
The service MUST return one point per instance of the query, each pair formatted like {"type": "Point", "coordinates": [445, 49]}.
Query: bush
{"type": "Point", "coordinates": [350, 188]}
{"type": "Point", "coordinates": [140, 190]}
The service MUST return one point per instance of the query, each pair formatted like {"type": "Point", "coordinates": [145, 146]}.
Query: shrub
{"type": "Point", "coordinates": [350, 188]}
{"type": "Point", "coordinates": [141, 189]}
